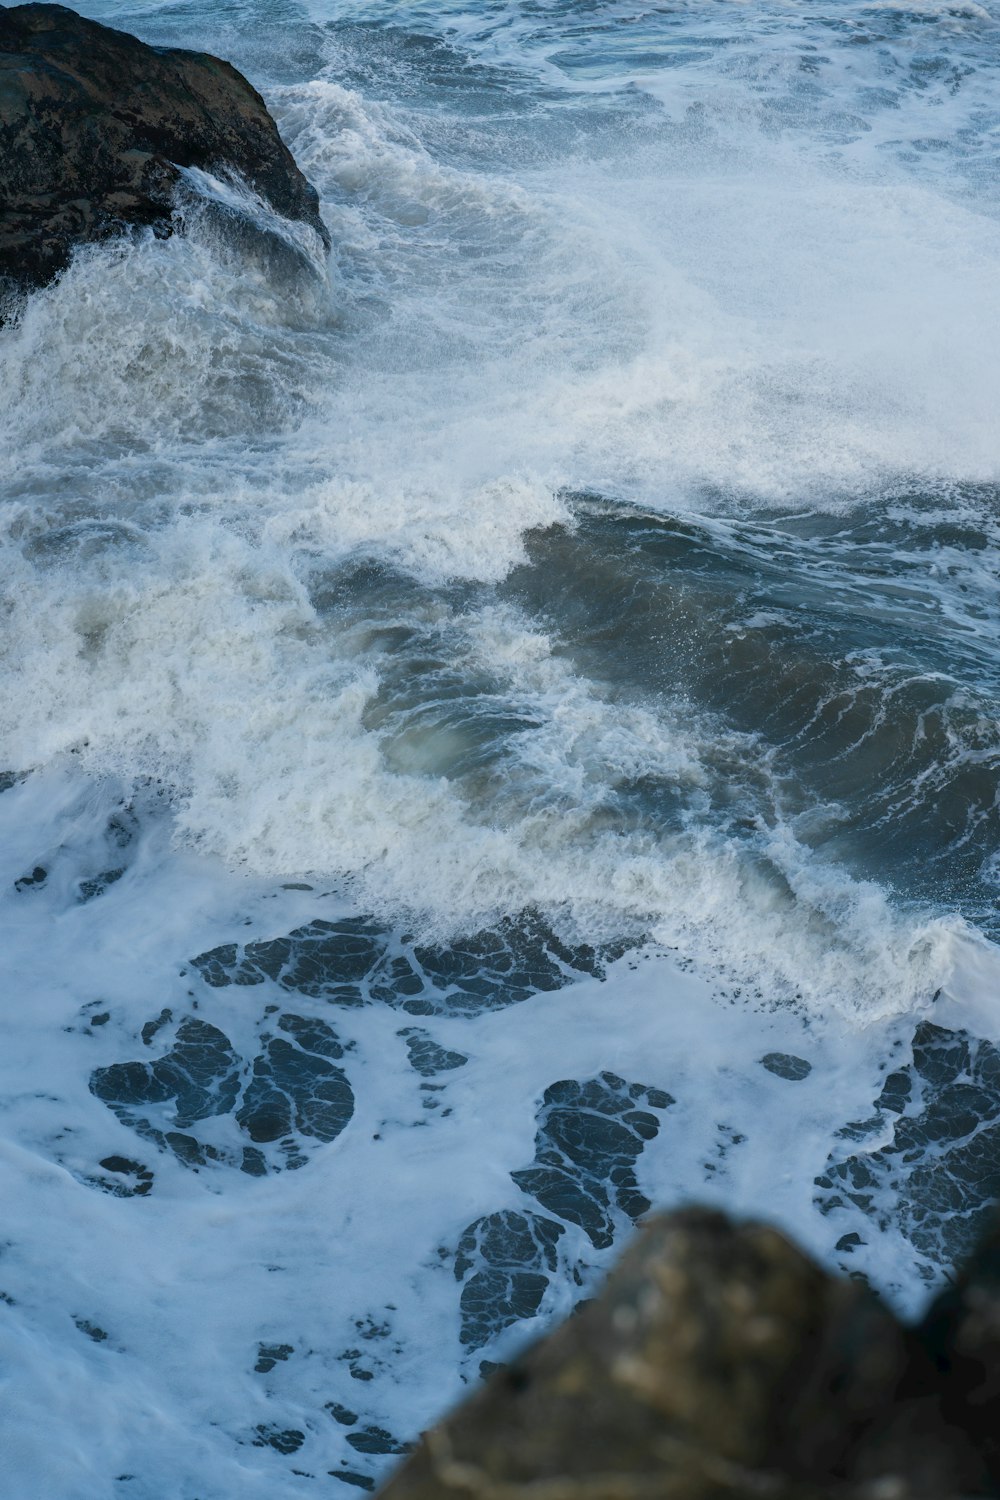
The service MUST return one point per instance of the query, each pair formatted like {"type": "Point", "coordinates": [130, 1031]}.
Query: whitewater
{"type": "Point", "coordinates": [498, 725]}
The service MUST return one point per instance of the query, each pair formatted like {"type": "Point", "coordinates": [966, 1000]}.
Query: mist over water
{"type": "Point", "coordinates": [561, 632]}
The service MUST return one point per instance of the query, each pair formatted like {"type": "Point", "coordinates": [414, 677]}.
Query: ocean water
{"type": "Point", "coordinates": [498, 727]}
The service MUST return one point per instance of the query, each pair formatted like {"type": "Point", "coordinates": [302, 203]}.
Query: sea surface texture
{"type": "Point", "coordinates": [498, 729]}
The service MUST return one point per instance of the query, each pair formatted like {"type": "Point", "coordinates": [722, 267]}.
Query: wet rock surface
{"type": "Point", "coordinates": [718, 1360]}
{"type": "Point", "coordinates": [96, 127]}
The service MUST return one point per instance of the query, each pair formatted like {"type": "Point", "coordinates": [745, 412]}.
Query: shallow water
{"type": "Point", "coordinates": [499, 730]}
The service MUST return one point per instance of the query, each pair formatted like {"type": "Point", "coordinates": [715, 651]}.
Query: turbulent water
{"type": "Point", "coordinates": [499, 729]}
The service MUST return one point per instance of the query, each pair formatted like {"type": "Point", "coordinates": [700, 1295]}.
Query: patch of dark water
{"type": "Point", "coordinates": [859, 654]}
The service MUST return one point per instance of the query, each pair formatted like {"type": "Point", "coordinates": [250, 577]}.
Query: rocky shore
{"type": "Point", "coordinates": [96, 129]}
{"type": "Point", "coordinates": [719, 1361]}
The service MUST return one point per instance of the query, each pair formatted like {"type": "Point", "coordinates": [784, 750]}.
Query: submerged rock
{"type": "Point", "coordinates": [719, 1361]}
{"type": "Point", "coordinates": [95, 128]}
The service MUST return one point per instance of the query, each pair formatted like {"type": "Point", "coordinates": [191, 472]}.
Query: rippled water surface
{"type": "Point", "coordinates": [498, 730]}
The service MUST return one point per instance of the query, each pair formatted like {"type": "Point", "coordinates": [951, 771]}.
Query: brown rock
{"type": "Point", "coordinates": [718, 1361]}
{"type": "Point", "coordinates": [95, 127]}
{"type": "Point", "coordinates": [960, 1337]}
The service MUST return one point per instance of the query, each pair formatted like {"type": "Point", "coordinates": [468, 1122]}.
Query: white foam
{"type": "Point", "coordinates": [736, 293]}
{"type": "Point", "coordinates": [648, 325]}
{"type": "Point", "coordinates": [682, 321]}
{"type": "Point", "coordinates": [203, 665]}
{"type": "Point", "coordinates": [187, 1283]}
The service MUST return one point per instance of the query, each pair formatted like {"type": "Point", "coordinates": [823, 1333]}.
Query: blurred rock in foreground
{"type": "Point", "coordinates": [719, 1361]}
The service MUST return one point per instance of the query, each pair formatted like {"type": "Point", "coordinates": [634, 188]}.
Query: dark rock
{"type": "Point", "coordinates": [312, 1035]}
{"type": "Point", "coordinates": [294, 1090]}
{"type": "Point", "coordinates": [961, 1337]}
{"type": "Point", "coordinates": [95, 128]}
{"type": "Point", "coordinates": [254, 1163]}
{"type": "Point", "coordinates": [720, 1363]}
{"type": "Point", "coordinates": [188, 1151]}
{"type": "Point", "coordinates": [509, 963]}
{"type": "Point", "coordinates": [118, 836]}
{"type": "Point", "coordinates": [590, 1135]}
{"type": "Point", "coordinates": [215, 964]}
{"type": "Point", "coordinates": [96, 887]}
{"type": "Point", "coordinates": [152, 1027]}
{"type": "Point", "coordinates": [324, 960]}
